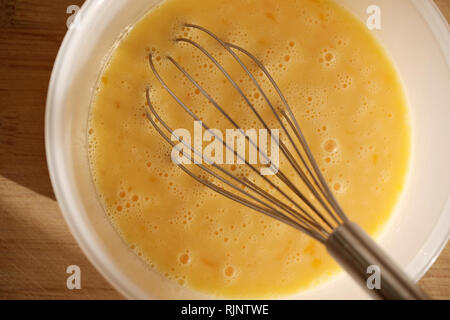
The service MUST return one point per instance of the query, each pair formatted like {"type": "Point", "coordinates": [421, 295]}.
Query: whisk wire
{"type": "Point", "coordinates": [310, 220]}
{"type": "Point", "coordinates": [267, 209]}
{"type": "Point", "coordinates": [221, 140]}
{"type": "Point", "coordinates": [323, 187]}
{"type": "Point", "coordinates": [320, 195]}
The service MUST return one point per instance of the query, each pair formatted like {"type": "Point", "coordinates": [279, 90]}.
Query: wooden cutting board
{"type": "Point", "coordinates": [36, 245]}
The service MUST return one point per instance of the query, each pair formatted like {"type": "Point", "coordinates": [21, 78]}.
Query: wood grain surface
{"type": "Point", "coordinates": [36, 245]}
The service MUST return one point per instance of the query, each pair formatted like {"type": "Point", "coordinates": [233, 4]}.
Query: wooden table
{"type": "Point", "coordinates": [35, 243]}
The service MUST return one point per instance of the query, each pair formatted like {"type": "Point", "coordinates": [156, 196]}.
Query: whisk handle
{"type": "Point", "coordinates": [360, 256]}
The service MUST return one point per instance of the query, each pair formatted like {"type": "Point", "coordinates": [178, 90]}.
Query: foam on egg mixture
{"type": "Point", "coordinates": [343, 90]}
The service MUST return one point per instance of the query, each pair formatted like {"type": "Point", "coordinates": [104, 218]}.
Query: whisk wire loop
{"type": "Point", "coordinates": [319, 195]}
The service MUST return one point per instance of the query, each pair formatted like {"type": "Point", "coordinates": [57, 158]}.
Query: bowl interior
{"type": "Point", "coordinates": [415, 36]}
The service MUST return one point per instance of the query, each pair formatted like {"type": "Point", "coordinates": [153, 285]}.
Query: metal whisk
{"type": "Point", "coordinates": [317, 213]}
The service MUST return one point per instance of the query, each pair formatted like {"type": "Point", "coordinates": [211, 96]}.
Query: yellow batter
{"type": "Point", "coordinates": [346, 96]}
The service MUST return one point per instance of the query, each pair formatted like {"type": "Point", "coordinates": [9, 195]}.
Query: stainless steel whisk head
{"type": "Point", "coordinates": [315, 212]}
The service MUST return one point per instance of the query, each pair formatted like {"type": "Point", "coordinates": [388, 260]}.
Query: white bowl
{"type": "Point", "coordinates": [416, 37]}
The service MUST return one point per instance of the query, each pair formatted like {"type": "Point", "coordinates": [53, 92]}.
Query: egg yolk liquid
{"type": "Point", "coordinates": [343, 90]}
